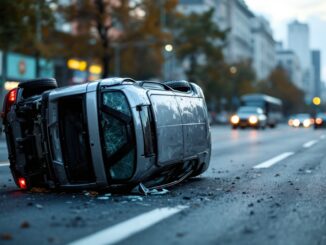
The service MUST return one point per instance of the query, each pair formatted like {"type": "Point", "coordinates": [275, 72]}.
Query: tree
{"type": "Point", "coordinates": [280, 85]}
{"type": "Point", "coordinates": [26, 27]}
{"type": "Point", "coordinates": [199, 41]}
{"type": "Point", "coordinates": [125, 29]}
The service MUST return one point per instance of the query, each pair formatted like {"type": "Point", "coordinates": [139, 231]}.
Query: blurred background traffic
{"type": "Point", "coordinates": [222, 45]}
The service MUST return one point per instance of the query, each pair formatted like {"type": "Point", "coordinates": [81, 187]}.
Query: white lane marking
{"type": "Point", "coordinates": [322, 136]}
{"type": "Point", "coordinates": [274, 160]}
{"type": "Point", "coordinates": [310, 143]}
{"type": "Point", "coordinates": [4, 164]}
{"type": "Point", "coordinates": [128, 228]}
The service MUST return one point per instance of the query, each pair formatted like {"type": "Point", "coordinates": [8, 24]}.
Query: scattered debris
{"type": "Point", "coordinates": [103, 198]}
{"type": "Point", "coordinates": [91, 193]}
{"type": "Point", "coordinates": [248, 230]}
{"type": "Point", "coordinates": [237, 177]}
{"type": "Point", "coordinates": [250, 205]}
{"type": "Point", "coordinates": [186, 198]}
{"type": "Point", "coordinates": [39, 190]}
{"type": "Point", "coordinates": [39, 206]}
{"type": "Point", "coordinates": [158, 192]}
{"type": "Point", "coordinates": [277, 175]}
{"type": "Point", "coordinates": [6, 236]}
{"type": "Point", "coordinates": [251, 213]}
{"type": "Point", "coordinates": [135, 198]}
{"type": "Point", "coordinates": [140, 189]}
{"type": "Point", "coordinates": [25, 225]}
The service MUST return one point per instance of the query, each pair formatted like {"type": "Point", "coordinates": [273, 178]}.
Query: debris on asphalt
{"type": "Point", "coordinates": [135, 198]}
{"type": "Point", "coordinates": [158, 191]}
{"type": "Point", "coordinates": [277, 175]}
{"type": "Point", "coordinates": [250, 205]}
{"type": "Point", "coordinates": [140, 189]}
{"type": "Point", "coordinates": [237, 177]}
{"type": "Point", "coordinates": [251, 213]}
{"type": "Point", "coordinates": [91, 193]}
{"type": "Point", "coordinates": [25, 225]}
{"type": "Point", "coordinates": [103, 198]}
{"type": "Point", "coordinates": [39, 206]}
{"type": "Point", "coordinates": [6, 236]}
{"type": "Point", "coordinates": [186, 198]}
{"type": "Point", "coordinates": [39, 190]}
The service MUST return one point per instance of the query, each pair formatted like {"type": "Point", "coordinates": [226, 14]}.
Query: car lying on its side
{"type": "Point", "coordinates": [320, 120]}
{"type": "Point", "coordinates": [301, 120]}
{"type": "Point", "coordinates": [249, 116]}
{"type": "Point", "coordinates": [109, 133]}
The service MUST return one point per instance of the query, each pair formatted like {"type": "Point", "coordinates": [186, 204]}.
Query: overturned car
{"type": "Point", "coordinates": [109, 133]}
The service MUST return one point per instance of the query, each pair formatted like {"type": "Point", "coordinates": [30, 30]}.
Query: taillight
{"type": "Point", "coordinates": [22, 183]}
{"type": "Point", "coordinates": [10, 99]}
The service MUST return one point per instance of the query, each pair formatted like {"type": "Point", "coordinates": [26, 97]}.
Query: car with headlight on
{"type": "Point", "coordinates": [301, 120]}
{"type": "Point", "coordinates": [110, 133]}
{"type": "Point", "coordinates": [320, 120]}
{"type": "Point", "coordinates": [249, 116]}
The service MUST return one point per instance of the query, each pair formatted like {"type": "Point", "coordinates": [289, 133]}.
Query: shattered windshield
{"type": "Point", "coordinates": [117, 134]}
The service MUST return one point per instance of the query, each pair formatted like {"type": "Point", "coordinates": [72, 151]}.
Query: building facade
{"type": "Point", "coordinates": [264, 55]}
{"type": "Point", "coordinates": [316, 64]}
{"type": "Point", "coordinates": [298, 42]}
{"type": "Point", "coordinates": [290, 62]}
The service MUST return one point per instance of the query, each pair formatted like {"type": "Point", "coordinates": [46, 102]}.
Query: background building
{"type": "Point", "coordinates": [298, 41]}
{"type": "Point", "coordinates": [316, 64]}
{"type": "Point", "coordinates": [290, 62]}
{"type": "Point", "coordinates": [264, 55]}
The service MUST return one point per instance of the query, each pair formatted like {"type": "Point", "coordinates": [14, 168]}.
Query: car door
{"type": "Point", "coordinates": [195, 127]}
{"type": "Point", "coordinates": [168, 125]}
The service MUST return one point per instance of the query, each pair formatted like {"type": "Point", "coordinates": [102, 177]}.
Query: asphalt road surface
{"type": "Point", "coordinates": [262, 187]}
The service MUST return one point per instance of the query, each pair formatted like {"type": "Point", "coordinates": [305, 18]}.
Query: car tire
{"type": "Point", "coordinates": [234, 127]}
{"type": "Point", "coordinates": [37, 86]}
{"type": "Point", "coordinates": [182, 86]}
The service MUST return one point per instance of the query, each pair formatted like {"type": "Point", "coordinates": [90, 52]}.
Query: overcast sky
{"type": "Point", "coordinates": [280, 12]}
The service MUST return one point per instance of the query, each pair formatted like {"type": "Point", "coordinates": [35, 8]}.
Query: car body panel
{"type": "Point", "coordinates": [179, 132]}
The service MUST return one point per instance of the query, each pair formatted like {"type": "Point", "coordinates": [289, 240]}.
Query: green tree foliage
{"type": "Point", "coordinates": [26, 26]}
{"type": "Point", "coordinates": [125, 30]}
{"type": "Point", "coordinates": [279, 85]}
{"type": "Point", "coordinates": [198, 39]}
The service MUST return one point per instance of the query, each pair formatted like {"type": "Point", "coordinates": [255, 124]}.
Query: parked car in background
{"type": "Point", "coordinates": [249, 116]}
{"type": "Point", "coordinates": [301, 120]}
{"type": "Point", "coordinates": [271, 106]}
{"type": "Point", "coordinates": [320, 120]}
{"type": "Point", "coordinates": [113, 132]}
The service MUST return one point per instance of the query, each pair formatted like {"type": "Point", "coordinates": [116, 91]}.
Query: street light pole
{"type": "Point", "coordinates": [233, 71]}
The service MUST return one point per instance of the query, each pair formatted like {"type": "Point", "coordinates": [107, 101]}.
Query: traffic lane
{"type": "Point", "coordinates": [210, 189]}
{"type": "Point", "coordinates": [69, 212]}
{"type": "Point", "coordinates": [284, 204]}
{"type": "Point", "coordinates": [255, 147]}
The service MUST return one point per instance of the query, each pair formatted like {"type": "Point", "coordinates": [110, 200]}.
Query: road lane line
{"type": "Point", "coordinates": [4, 164]}
{"type": "Point", "coordinates": [130, 227]}
{"type": "Point", "coordinates": [274, 160]}
{"type": "Point", "coordinates": [310, 143]}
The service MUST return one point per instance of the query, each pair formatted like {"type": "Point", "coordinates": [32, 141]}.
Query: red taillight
{"type": "Point", "coordinates": [10, 99]}
{"type": "Point", "coordinates": [12, 95]}
{"type": "Point", "coordinates": [22, 183]}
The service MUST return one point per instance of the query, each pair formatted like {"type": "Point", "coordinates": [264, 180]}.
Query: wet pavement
{"type": "Point", "coordinates": [262, 187]}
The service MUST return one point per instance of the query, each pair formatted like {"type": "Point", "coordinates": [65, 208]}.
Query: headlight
{"type": "Point", "coordinates": [253, 120]}
{"type": "Point", "coordinates": [296, 122]}
{"type": "Point", "coordinates": [319, 121]}
{"type": "Point", "coordinates": [235, 119]}
{"type": "Point", "coordinates": [290, 122]}
{"type": "Point", "coordinates": [306, 123]}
